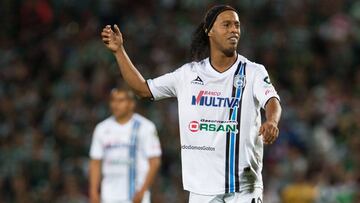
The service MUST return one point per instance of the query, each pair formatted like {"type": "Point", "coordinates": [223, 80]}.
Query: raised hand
{"type": "Point", "coordinates": [112, 39]}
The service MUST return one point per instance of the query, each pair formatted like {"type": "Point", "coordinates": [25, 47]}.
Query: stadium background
{"type": "Point", "coordinates": [56, 74]}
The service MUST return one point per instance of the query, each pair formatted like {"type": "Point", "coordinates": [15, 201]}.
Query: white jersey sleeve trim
{"type": "Point", "coordinates": [263, 88]}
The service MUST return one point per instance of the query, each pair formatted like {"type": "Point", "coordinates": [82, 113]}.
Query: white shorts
{"type": "Point", "coordinates": [146, 199]}
{"type": "Point", "coordinates": [246, 196]}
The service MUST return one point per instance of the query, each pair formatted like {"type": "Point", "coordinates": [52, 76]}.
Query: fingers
{"type": "Point", "coordinates": [270, 138]}
{"type": "Point", "coordinates": [116, 28]}
{"type": "Point", "coordinates": [270, 134]}
{"type": "Point", "coordinates": [105, 37]}
{"type": "Point", "coordinates": [262, 130]}
{"type": "Point", "coordinates": [267, 138]}
{"type": "Point", "coordinates": [108, 28]}
{"type": "Point", "coordinates": [106, 34]}
{"type": "Point", "coordinates": [107, 31]}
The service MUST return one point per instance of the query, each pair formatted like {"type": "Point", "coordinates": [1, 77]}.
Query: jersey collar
{"type": "Point", "coordinates": [216, 73]}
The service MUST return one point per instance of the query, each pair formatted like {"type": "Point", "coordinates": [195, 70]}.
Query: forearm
{"type": "Point", "coordinates": [273, 110]}
{"type": "Point", "coordinates": [130, 74]}
{"type": "Point", "coordinates": [153, 169]}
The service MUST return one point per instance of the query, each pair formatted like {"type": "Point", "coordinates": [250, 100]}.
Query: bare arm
{"type": "Point", "coordinates": [114, 41]}
{"type": "Point", "coordinates": [154, 164]}
{"type": "Point", "coordinates": [269, 129]}
{"type": "Point", "coordinates": [95, 178]}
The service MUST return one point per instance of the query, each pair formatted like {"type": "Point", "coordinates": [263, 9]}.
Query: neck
{"type": "Point", "coordinates": [220, 61]}
{"type": "Point", "coordinates": [124, 119]}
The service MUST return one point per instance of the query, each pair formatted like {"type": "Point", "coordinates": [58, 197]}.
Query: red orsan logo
{"type": "Point", "coordinates": [194, 126]}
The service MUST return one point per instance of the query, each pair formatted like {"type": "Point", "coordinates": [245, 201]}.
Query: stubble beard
{"type": "Point", "coordinates": [230, 52]}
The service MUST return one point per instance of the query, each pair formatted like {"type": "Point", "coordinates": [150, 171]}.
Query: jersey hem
{"type": "Point", "coordinates": [219, 192]}
{"type": "Point", "coordinates": [94, 157]}
{"type": "Point", "coordinates": [116, 199]}
{"type": "Point", "coordinates": [154, 155]}
{"type": "Point", "coordinates": [248, 187]}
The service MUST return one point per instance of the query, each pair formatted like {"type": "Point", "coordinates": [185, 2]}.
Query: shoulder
{"type": "Point", "coordinates": [198, 64]}
{"type": "Point", "coordinates": [193, 66]}
{"type": "Point", "coordinates": [102, 128]}
{"type": "Point", "coordinates": [253, 68]}
{"type": "Point", "coordinates": [144, 122]}
{"type": "Point", "coordinates": [251, 64]}
{"type": "Point", "coordinates": [108, 122]}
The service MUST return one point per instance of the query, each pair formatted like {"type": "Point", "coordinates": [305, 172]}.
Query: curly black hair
{"type": "Point", "coordinates": [200, 45]}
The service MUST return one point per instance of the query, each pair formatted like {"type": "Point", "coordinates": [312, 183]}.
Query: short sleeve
{"type": "Point", "coordinates": [150, 142]}
{"type": "Point", "coordinates": [263, 88]}
{"type": "Point", "coordinates": [165, 86]}
{"type": "Point", "coordinates": [96, 148]}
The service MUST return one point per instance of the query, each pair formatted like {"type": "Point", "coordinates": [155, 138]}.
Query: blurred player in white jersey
{"type": "Point", "coordinates": [220, 95]}
{"type": "Point", "coordinates": [125, 154]}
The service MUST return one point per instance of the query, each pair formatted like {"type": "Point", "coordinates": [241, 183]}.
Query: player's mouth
{"type": "Point", "coordinates": [233, 39]}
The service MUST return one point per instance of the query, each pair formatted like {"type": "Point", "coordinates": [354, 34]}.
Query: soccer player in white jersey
{"type": "Point", "coordinates": [125, 154]}
{"type": "Point", "coordinates": [220, 95]}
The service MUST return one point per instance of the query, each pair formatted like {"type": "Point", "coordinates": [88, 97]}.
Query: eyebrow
{"type": "Point", "coordinates": [231, 21]}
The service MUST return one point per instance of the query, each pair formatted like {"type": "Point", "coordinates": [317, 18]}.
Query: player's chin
{"type": "Point", "coordinates": [230, 51]}
{"type": "Point", "coordinates": [118, 114]}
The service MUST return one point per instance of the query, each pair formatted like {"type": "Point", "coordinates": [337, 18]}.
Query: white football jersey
{"type": "Point", "coordinates": [124, 151]}
{"type": "Point", "coordinates": [219, 120]}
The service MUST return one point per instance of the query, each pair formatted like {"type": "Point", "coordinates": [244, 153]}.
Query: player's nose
{"type": "Point", "coordinates": [235, 29]}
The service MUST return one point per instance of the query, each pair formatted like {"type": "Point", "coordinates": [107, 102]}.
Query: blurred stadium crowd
{"type": "Point", "coordinates": [55, 77]}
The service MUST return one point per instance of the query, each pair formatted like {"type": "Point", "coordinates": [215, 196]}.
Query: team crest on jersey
{"type": "Point", "coordinates": [239, 81]}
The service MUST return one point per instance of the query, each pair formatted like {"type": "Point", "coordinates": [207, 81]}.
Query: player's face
{"type": "Point", "coordinates": [225, 33]}
{"type": "Point", "coordinates": [121, 105]}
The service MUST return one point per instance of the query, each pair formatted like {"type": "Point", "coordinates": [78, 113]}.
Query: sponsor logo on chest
{"type": "Point", "coordinates": [213, 99]}
{"type": "Point", "coordinates": [212, 126]}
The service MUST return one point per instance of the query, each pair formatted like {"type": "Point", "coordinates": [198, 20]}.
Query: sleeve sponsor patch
{"type": "Point", "coordinates": [267, 80]}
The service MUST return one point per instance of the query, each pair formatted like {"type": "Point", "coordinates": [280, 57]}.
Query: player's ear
{"type": "Point", "coordinates": [210, 33]}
